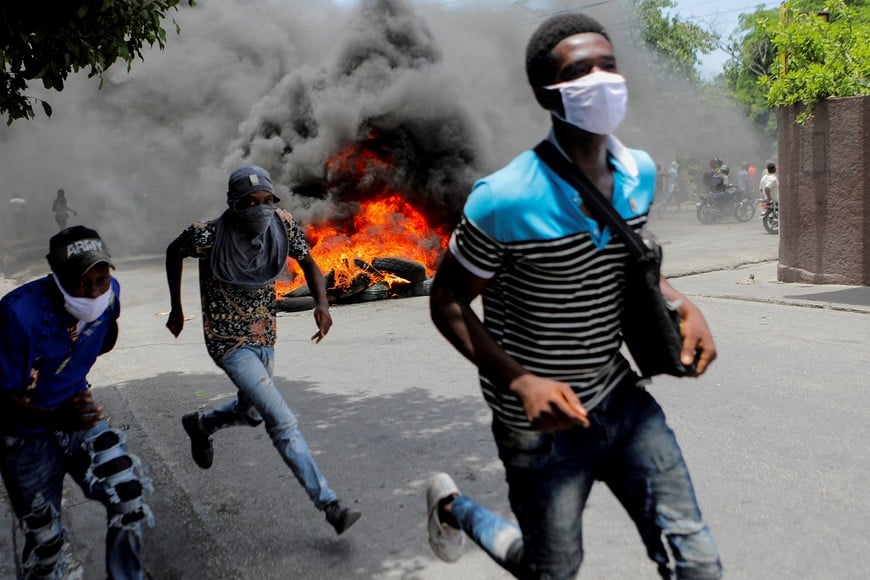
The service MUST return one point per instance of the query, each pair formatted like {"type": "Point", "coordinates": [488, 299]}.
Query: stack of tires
{"type": "Point", "coordinates": [361, 288]}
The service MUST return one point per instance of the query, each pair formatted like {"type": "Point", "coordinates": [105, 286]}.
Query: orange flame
{"type": "Point", "coordinates": [385, 227]}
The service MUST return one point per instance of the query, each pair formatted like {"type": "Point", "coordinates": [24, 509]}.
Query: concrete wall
{"type": "Point", "coordinates": [824, 174]}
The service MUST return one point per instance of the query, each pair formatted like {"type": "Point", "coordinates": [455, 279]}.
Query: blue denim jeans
{"type": "Point", "coordinates": [629, 447]}
{"type": "Point", "coordinates": [33, 469]}
{"type": "Point", "coordinates": [250, 368]}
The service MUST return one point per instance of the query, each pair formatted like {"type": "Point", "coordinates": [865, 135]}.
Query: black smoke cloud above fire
{"type": "Point", "coordinates": [389, 92]}
{"type": "Point", "coordinates": [287, 84]}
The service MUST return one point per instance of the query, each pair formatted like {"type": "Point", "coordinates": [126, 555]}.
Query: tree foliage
{"type": "Point", "coordinates": [752, 53]}
{"type": "Point", "coordinates": [47, 41]}
{"type": "Point", "coordinates": [825, 52]}
{"type": "Point", "coordinates": [678, 43]}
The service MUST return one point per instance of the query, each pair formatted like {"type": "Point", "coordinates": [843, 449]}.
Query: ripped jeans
{"type": "Point", "coordinates": [33, 468]}
{"type": "Point", "coordinates": [258, 400]}
{"type": "Point", "coordinates": [629, 447]}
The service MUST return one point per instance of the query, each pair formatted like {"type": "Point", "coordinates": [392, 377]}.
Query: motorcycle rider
{"type": "Point", "coordinates": [712, 170]}
{"type": "Point", "coordinates": [769, 185]}
{"type": "Point", "coordinates": [726, 176]}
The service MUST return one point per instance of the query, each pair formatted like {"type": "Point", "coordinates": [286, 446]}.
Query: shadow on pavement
{"type": "Point", "coordinates": [247, 517]}
{"type": "Point", "coordinates": [859, 296]}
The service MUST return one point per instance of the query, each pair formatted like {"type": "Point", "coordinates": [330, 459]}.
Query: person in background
{"type": "Point", "coordinates": [51, 332]}
{"type": "Point", "coordinates": [743, 179]}
{"type": "Point", "coordinates": [61, 210]}
{"type": "Point", "coordinates": [17, 207]}
{"type": "Point", "coordinates": [671, 192]}
{"type": "Point", "coordinates": [709, 173]}
{"type": "Point", "coordinates": [568, 409]}
{"type": "Point", "coordinates": [240, 255]}
{"type": "Point", "coordinates": [769, 185]}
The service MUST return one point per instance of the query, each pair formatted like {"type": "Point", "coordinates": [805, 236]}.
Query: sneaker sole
{"type": "Point", "coordinates": [352, 518]}
{"type": "Point", "coordinates": [446, 542]}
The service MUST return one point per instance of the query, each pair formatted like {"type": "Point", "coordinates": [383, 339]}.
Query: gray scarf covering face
{"type": "Point", "coordinates": [243, 258]}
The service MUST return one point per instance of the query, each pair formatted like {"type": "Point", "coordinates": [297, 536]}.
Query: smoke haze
{"type": "Point", "coordinates": [288, 85]}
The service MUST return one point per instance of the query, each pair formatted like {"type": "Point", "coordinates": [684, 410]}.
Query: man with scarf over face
{"type": "Point", "coordinates": [51, 332]}
{"type": "Point", "coordinates": [240, 254]}
{"type": "Point", "coordinates": [567, 407]}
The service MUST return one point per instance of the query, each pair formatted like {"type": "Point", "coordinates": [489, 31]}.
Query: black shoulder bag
{"type": "Point", "coordinates": [650, 327]}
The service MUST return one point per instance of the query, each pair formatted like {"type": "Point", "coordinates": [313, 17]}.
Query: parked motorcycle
{"type": "Point", "coordinates": [769, 215]}
{"type": "Point", "coordinates": [714, 206]}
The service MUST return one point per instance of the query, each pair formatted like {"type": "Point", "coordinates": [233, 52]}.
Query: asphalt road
{"type": "Point", "coordinates": [775, 435]}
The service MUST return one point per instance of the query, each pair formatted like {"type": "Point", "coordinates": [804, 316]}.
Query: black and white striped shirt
{"type": "Point", "coordinates": [553, 300]}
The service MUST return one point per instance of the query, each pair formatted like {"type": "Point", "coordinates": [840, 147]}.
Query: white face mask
{"type": "Point", "coordinates": [85, 309]}
{"type": "Point", "coordinates": [595, 102]}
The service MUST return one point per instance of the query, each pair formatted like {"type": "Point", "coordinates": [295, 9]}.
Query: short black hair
{"type": "Point", "coordinates": [540, 64]}
{"type": "Point", "coordinates": [771, 167]}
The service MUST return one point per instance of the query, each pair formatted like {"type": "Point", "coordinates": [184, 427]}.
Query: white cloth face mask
{"type": "Point", "coordinates": [85, 309]}
{"type": "Point", "coordinates": [595, 102]}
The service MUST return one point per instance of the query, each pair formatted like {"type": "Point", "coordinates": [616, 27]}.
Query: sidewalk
{"type": "Point", "coordinates": [758, 283]}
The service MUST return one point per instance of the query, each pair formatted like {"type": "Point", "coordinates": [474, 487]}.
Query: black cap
{"type": "Point", "coordinates": [76, 250]}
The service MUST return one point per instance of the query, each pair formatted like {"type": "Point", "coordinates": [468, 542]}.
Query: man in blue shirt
{"type": "Point", "coordinates": [568, 409]}
{"type": "Point", "coordinates": [51, 332]}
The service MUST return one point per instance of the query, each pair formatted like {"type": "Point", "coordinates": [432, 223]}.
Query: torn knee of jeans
{"type": "Point", "coordinates": [42, 527]}
{"type": "Point", "coordinates": [128, 514]}
{"type": "Point", "coordinates": [43, 522]}
{"type": "Point", "coordinates": [116, 465]}
{"type": "Point", "coordinates": [50, 549]}
{"type": "Point", "coordinates": [672, 522]}
{"type": "Point", "coordinates": [690, 543]}
{"type": "Point", "coordinates": [105, 440]}
{"type": "Point", "coordinates": [102, 450]}
{"type": "Point", "coordinates": [121, 477]}
{"type": "Point", "coordinates": [130, 507]}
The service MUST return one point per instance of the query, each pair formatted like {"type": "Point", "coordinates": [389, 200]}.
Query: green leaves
{"type": "Point", "coordinates": [49, 41]}
{"type": "Point", "coordinates": [677, 42]}
{"type": "Point", "coordinates": [824, 52]}
{"type": "Point", "coordinates": [752, 54]}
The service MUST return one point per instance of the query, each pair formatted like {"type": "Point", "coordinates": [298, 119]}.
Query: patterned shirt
{"type": "Point", "coordinates": [553, 300]}
{"type": "Point", "coordinates": [234, 316]}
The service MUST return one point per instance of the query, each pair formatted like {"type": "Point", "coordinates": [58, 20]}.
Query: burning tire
{"type": "Point", "coordinates": [377, 291]}
{"type": "Point", "coordinates": [407, 269]}
{"type": "Point", "coordinates": [303, 290]}
{"type": "Point", "coordinates": [295, 304]}
{"type": "Point", "coordinates": [346, 294]}
{"type": "Point", "coordinates": [421, 288]}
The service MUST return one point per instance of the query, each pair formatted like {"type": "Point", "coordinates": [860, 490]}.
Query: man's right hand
{"type": "Point", "coordinates": [78, 413]}
{"type": "Point", "coordinates": [175, 324]}
{"type": "Point", "coordinates": [550, 405]}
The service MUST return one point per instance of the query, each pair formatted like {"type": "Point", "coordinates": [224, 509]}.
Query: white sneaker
{"type": "Point", "coordinates": [446, 541]}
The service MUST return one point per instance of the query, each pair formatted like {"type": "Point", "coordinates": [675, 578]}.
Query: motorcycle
{"type": "Point", "coordinates": [714, 206]}
{"type": "Point", "coordinates": [769, 215]}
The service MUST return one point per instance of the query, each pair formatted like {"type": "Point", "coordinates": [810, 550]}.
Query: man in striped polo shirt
{"type": "Point", "coordinates": [567, 407]}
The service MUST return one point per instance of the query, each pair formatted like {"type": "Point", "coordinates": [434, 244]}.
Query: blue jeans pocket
{"type": "Point", "coordinates": [522, 449]}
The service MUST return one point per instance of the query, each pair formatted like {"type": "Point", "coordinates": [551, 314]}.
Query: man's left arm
{"type": "Point", "coordinates": [298, 249]}
{"type": "Point", "coordinates": [317, 285]}
{"type": "Point", "coordinates": [697, 339]}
